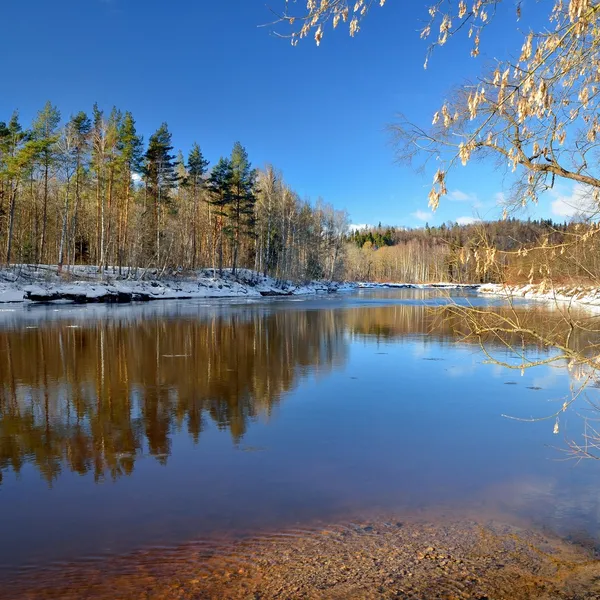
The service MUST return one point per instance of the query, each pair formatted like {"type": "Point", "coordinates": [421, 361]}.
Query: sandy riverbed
{"type": "Point", "coordinates": [383, 559]}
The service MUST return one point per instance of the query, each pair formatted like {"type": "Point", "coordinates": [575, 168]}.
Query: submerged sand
{"type": "Point", "coordinates": [383, 559]}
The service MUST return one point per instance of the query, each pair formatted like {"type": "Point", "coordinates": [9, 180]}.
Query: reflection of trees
{"type": "Point", "coordinates": [515, 337]}
{"type": "Point", "coordinates": [96, 397]}
{"type": "Point", "coordinates": [447, 324]}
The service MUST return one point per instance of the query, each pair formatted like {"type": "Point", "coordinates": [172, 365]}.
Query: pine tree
{"type": "Point", "coordinates": [78, 133]}
{"type": "Point", "coordinates": [4, 156]}
{"type": "Point", "coordinates": [20, 152]}
{"type": "Point", "coordinates": [243, 199]}
{"type": "Point", "coordinates": [131, 152]}
{"type": "Point", "coordinates": [113, 126]}
{"type": "Point", "coordinates": [196, 166]}
{"type": "Point", "coordinates": [99, 143]}
{"type": "Point", "coordinates": [220, 184]}
{"type": "Point", "coordinates": [45, 131]}
{"type": "Point", "coordinates": [161, 178]}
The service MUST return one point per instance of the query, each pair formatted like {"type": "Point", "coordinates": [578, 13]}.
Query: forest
{"type": "Point", "coordinates": [506, 250]}
{"type": "Point", "coordinates": [91, 191]}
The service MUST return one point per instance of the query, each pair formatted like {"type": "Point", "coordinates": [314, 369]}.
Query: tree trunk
{"type": "Point", "coordinates": [63, 235]}
{"type": "Point", "coordinates": [157, 219]}
{"type": "Point", "coordinates": [11, 221]}
{"type": "Point", "coordinates": [194, 223]}
{"type": "Point", "coordinates": [75, 213]}
{"type": "Point", "coordinates": [126, 219]}
{"type": "Point", "coordinates": [98, 217]}
{"type": "Point", "coordinates": [44, 215]}
{"type": "Point", "coordinates": [107, 219]}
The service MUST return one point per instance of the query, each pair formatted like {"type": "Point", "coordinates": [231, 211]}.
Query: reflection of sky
{"type": "Point", "coordinates": [445, 406]}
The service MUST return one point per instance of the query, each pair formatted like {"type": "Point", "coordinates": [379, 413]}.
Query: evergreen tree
{"type": "Point", "coordinates": [243, 199]}
{"type": "Point", "coordinates": [112, 165]}
{"type": "Point", "coordinates": [99, 143]}
{"type": "Point", "coordinates": [131, 152]}
{"type": "Point", "coordinates": [45, 131]}
{"type": "Point", "coordinates": [196, 167]}
{"type": "Point", "coordinates": [220, 185]}
{"type": "Point", "coordinates": [4, 156]}
{"type": "Point", "coordinates": [161, 178]}
{"type": "Point", "coordinates": [77, 132]}
{"type": "Point", "coordinates": [20, 152]}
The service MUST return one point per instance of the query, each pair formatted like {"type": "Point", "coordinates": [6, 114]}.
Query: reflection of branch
{"type": "Point", "coordinates": [510, 328]}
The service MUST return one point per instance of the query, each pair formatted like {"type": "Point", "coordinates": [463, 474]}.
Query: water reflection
{"type": "Point", "coordinates": [247, 417]}
{"type": "Point", "coordinates": [94, 397]}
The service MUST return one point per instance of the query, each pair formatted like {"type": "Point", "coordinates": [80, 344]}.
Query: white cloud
{"type": "Point", "coordinates": [578, 203]}
{"type": "Point", "coordinates": [500, 198]}
{"type": "Point", "coordinates": [467, 220]}
{"type": "Point", "coordinates": [422, 215]}
{"type": "Point", "coordinates": [136, 177]}
{"type": "Point", "coordinates": [460, 196]}
{"type": "Point", "coordinates": [359, 226]}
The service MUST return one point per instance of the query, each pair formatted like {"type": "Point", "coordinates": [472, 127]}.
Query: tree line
{"type": "Point", "coordinates": [91, 191]}
{"type": "Point", "coordinates": [522, 251]}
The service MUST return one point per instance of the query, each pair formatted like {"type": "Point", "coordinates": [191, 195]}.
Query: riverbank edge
{"type": "Point", "coordinates": [574, 295]}
{"type": "Point", "coordinates": [23, 284]}
{"type": "Point", "coordinates": [82, 285]}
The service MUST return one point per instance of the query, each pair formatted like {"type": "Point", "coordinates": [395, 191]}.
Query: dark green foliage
{"type": "Point", "coordinates": [45, 126]}
{"type": "Point", "coordinates": [159, 165]}
{"type": "Point", "coordinates": [231, 185]}
{"type": "Point", "coordinates": [197, 165]}
{"type": "Point", "coordinates": [243, 198]}
{"type": "Point", "coordinates": [160, 175]}
{"type": "Point", "coordinates": [378, 237]}
{"type": "Point", "coordinates": [45, 132]}
{"type": "Point", "coordinates": [220, 185]}
{"type": "Point", "coordinates": [80, 127]}
{"type": "Point", "coordinates": [130, 145]}
{"type": "Point", "coordinates": [505, 235]}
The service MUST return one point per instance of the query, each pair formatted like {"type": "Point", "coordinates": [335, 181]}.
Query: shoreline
{"type": "Point", "coordinates": [577, 295]}
{"type": "Point", "coordinates": [84, 285]}
{"type": "Point", "coordinates": [382, 559]}
{"type": "Point", "coordinates": [27, 284]}
{"type": "Point", "coordinates": [42, 284]}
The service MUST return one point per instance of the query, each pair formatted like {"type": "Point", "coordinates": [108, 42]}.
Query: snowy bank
{"type": "Point", "coordinates": [87, 285]}
{"type": "Point", "coordinates": [574, 294]}
{"type": "Point", "coordinates": [419, 286]}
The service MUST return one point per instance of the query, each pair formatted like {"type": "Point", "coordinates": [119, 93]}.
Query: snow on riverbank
{"type": "Point", "coordinates": [85, 284]}
{"type": "Point", "coordinates": [575, 295]}
{"type": "Point", "coordinates": [419, 286]}
{"type": "Point", "coordinates": [82, 284]}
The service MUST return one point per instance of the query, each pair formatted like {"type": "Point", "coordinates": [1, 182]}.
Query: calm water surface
{"type": "Point", "coordinates": [131, 427]}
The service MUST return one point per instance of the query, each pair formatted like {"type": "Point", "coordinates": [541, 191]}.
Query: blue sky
{"type": "Point", "coordinates": [215, 76]}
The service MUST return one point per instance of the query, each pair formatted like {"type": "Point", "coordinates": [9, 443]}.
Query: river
{"type": "Point", "coordinates": [124, 428]}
